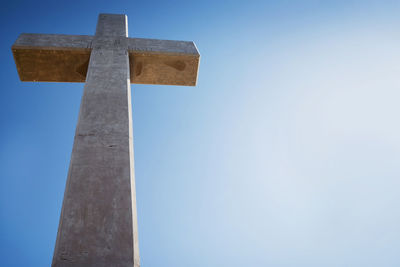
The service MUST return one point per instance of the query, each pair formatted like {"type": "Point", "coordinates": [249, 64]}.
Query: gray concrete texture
{"type": "Point", "coordinates": [98, 225]}
{"type": "Point", "coordinates": [98, 222]}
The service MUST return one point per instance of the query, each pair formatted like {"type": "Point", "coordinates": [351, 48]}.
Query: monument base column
{"type": "Point", "coordinates": [98, 225]}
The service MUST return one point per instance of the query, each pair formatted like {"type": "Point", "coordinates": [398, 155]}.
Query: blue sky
{"type": "Point", "coordinates": [286, 154]}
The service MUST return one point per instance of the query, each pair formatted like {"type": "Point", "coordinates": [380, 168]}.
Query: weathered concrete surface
{"type": "Point", "coordinates": [98, 225]}
{"type": "Point", "coordinates": [52, 57]}
{"type": "Point", "coordinates": [65, 58]}
{"type": "Point", "coordinates": [52, 41]}
{"type": "Point", "coordinates": [155, 61]}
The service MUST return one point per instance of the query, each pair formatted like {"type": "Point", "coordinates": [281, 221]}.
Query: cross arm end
{"type": "Point", "coordinates": [52, 57]}
{"type": "Point", "coordinates": [168, 62]}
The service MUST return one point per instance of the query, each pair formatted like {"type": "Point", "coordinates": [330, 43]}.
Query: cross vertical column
{"type": "Point", "coordinates": [98, 224]}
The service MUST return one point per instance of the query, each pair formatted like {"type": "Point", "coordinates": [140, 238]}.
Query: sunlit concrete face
{"type": "Point", "coordinates": [65, 58]}
{"type": "Point", "coordinates": [98, 222]}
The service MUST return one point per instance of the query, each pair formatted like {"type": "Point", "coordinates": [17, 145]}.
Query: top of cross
{"type": "Point", "coordinates": [65, 58]}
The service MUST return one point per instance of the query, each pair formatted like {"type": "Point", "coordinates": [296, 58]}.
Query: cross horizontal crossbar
{"type": "Point", "coordinates": [65, 58]}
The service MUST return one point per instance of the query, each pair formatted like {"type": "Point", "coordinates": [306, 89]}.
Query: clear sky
{"type": "Point", "coordinates": [286, 154]}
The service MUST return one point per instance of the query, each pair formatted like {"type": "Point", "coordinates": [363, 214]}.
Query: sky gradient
{"type": "Point", "coordinates": [286, 153]}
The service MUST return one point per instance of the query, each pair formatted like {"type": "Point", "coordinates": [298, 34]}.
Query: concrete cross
{"type": "Point", "coordinates": [98, 222]}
